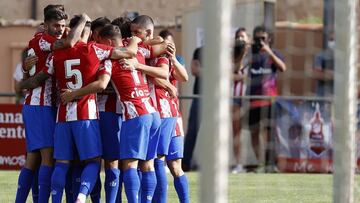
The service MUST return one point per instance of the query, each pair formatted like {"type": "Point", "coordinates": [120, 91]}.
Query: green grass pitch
{"type": "Point", "coordinates": [244, 188]}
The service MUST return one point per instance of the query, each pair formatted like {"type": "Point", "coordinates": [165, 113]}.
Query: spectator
{"type": "Point", "coordinates": [18, 76]}
{"type": "Point", "coordinates": [324, 69]}
{"type": "Point", "coordinates": [264, 67]}
{"type": "Point", "coordinates": [241, 64]}
{"type": "Point", "coordinates": [194, 121]}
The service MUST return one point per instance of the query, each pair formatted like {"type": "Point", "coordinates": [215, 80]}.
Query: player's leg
{"type": "Point", "coordinates": [121, 180]}
{"type": "Point", "coordinates": [95, 194]}
{"type": "Point", "coordinates": [47, 115]}
{"type": "Point", "coordinates": [111, 183]}
{"type": "Point", "coordinates": [173, 160]}
{"type": "Point", "coordinates": [134, 140]}
{"type": "Point", "coordinates": [33, 143]}
{"type": "Point", "coordinates": [63, 153]}
{"type": "Point", "coordinates": [110, 125]}
{"type": "Point", "coordinates": [88, 144]}
{"type": "Point", "coordinates": [45, 173]}
{"type": "Point", "coordinates": [167, 129]}
{"type": "Point", "coordinates": [35, 186]}
{"type": "Point", "coordinates": [68, 186]}
{"type": "Point", "coordinates": [26, 176]}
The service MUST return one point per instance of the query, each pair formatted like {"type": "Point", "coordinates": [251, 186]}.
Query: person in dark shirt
{"type": "Point", "coordinates": [265, 65]}
{"type": "Point", "coordinates": [193, 122]}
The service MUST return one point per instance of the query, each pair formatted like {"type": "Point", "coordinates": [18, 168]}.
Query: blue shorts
{"type": "Point", "coordinates": [134, 137]}
{"type": "Point", "coordinates": [39, 122]}
{"type": "Point", "coordinates": [237, 102]}
{"type": "Point", "coordinates": [167, 129]}
{"type": "Point", "coordinates": [154, 137]}
{"type": "Point", "coordinates": [110, 125]}
{"type": "Point", "coordinates": [176, 148]}
{"type": "Point", "coordinates": [77, 136]}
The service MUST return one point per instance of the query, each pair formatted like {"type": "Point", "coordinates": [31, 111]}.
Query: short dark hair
{"type": "Point", "coordinates": [74, 21]}
{"type": "Point", "coordinates": [165, 33]}
{"type": "Point", "coordinates": [124, 24]}
{"type": "Point", "coordinates": [261, 28]}
{"type": "Point", "coordinates": [99, 23]}
{"type": "Point", "coordinates": [54, 6]}
{"type": "Point", "coordinates": [239, 49]}
{"type": "Point", "coordinates": [110, 31]}
{"type": "Point", "coordinates": [240, 29]}
{"type": "Point", "coordinates": [143, 21]}
{"type": "Point", "coordinates": [55, 14]}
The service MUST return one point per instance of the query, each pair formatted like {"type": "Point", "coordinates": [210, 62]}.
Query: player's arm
{"type": "Point", "coordinates": [126, 52]}
{"type": "Point", "coordinates": [97, 86]}
{"type": "Point", "coordinates": [165, 84]}
{"type": "Point", "coordinates": [156, 40]}
{"type": "Point", "coordinates": [155, 72]}
{"type": "Point", "coordinates": [180, 72]}
{"type": "Point", "coordinates": [33, 82]}
{"type": "Point", "coordinates": [73, 36]}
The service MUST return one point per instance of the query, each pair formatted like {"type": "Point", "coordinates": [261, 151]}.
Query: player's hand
{"type": "Point", "coordinates": [171, 50]}
{"type": "Point", "coordinates": [29, 62]}
{"type": "Point", "coordinates": [135, 39]}
{"type": "Point", "coordinates": [129, 64]}
{"type": "Point", "coordinates": [67, 96]}
{"type": "Point", "coordinates": [85, 17]}
{"type": "Point", "coordinates": [173, 91]}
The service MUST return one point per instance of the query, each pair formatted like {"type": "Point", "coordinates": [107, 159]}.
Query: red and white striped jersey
{"type": "Point", "coordinates": [108, 100]}
{"type": "Point", "coordinates": [75, 68]}
{"type": "Point", "coordinates": [132, 87]}
{"type": "Point", "coordinates": [239, 87]}
{"type": "Point", "coordinates": [45, 95]}
{"type": "Point", "coordinates": [160, 96]}
{"type": "Point", "coordinates": [179, 129]}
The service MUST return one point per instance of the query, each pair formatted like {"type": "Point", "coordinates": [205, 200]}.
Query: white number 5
{"type": "Point", "coordinates": [73, 72]}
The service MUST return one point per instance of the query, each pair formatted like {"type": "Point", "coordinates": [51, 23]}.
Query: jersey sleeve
{"type": "Point", "coordinates": [105, 68]}
{"type": "Point", "coordinates": [146, 50]}
{"type": "Point", "coordinates": [49, 65]}
{"type": "Point", "coordinates": [102, 51]}
{"type": "Point", "coordinates": [46, 42]}
{"type": "Point", "coordinates": [162, 60]}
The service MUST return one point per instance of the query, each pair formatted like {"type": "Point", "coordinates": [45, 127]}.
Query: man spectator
{"type": "Point", "coordinates": [265, 64]}
{"type": "Point", "coordinates": [324, 69]}
{"type": "Point", "coordinates": [193, 122]}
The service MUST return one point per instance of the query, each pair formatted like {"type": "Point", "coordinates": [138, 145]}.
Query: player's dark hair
{"type": "Point", "coordinates": [99, 23]}
{"type": "Point", "coordinates": [144, 21]}
{"type": "Point", "coordinates": [55, 14]}
{"type": "Point", "coordinates": [74, 21]}
{"type": "Point", "coordinates": [239, 49]}
{"type": "Point", "coordinates": [110, 31]}
{"type": "Point", "coordinates": [165, 33]}
{"type": "Point", "coordinates": [124, 24]}
{"type": "Point", "coordinates": [54, 6]}
{"type": "Point", "coordinates": [240, 29]}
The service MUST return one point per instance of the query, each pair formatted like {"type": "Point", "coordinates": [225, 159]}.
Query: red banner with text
{"type": "Point", "coordinates": [12, 137]}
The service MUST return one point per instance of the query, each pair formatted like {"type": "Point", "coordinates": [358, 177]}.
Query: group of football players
{"type": "Point", "coordinates": [101, 90]}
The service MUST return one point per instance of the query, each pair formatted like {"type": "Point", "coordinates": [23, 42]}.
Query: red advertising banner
{"type": "Point", "coordinates": [12, 137]}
